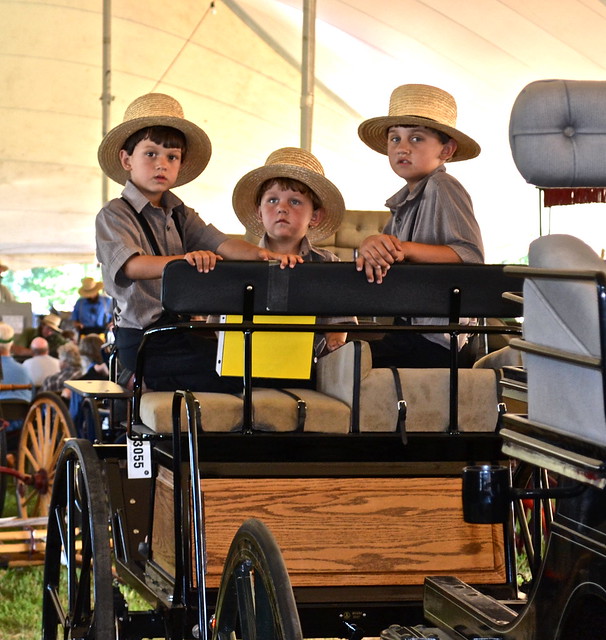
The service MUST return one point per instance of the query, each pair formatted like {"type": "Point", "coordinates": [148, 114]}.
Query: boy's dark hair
{"type": "Point", "coordinates": [168, 137]}
{"type": "Point", "coordinates": [288, 183]}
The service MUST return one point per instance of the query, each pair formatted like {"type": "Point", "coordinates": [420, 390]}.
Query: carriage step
{"type": "Point", "coordinates": [452, 604]}
{"type": "Point", "coordinates": [396, 632]}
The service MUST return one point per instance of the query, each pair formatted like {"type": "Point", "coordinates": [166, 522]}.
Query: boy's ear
{"type": "Point", "coordinates": [448, 150]}
{"type": "Point", "coordinates": [316, 217]}
{"type": "Point", "coordinates": [125, 160]}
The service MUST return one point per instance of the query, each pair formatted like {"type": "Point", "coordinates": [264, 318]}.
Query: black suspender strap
{"type": "Point", "coordinates": [401, 405]}
{"type": "Point", "coordinates": [147, 230]}
{"type": "Point", "coordinates": [355, 401]}
{"type": "Point", "coordinates": [301, 408]}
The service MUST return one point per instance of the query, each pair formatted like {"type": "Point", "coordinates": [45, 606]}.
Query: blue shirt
{"type": "Point", "coordinates": [15, 373]}
{"type": "Point", "coordinates": [93, 313]}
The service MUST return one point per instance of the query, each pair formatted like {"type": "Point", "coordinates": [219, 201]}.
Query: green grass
{"type": "Point", "coordinates": [20, 593]}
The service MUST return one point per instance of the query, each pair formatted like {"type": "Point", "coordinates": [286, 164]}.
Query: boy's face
{"type": "Point", "coordinates": [414, 152]}
{"type": "Point", "coordinates": [286, 214]}
{"type": "Point", "coordinates": [153, 168]}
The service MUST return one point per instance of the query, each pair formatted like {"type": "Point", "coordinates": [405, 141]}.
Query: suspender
{"type": "Point", "coordinates": [147, 230]}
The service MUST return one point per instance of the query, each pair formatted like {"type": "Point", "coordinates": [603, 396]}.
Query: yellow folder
{"type": "Point", "coordinates": [275, 354]}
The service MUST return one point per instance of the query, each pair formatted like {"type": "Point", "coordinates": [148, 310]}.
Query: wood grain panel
{"type": "Point", "coordinates": [347, 531]}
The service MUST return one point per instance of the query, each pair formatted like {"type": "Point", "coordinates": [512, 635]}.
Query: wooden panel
{"type": "Point", "coordinates": [349, 531]}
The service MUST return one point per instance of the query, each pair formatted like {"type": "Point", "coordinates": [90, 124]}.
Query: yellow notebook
{"type": "Point", "coordinates": [275, 354]}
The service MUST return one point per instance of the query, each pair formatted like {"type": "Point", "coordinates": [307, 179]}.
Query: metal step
{"type": "Point", "coordinates": [452, 604]}
{"type": "Point", "coordinates": [418, 632]}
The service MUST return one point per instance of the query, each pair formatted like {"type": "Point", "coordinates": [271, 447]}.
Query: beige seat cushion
{"type": "Point", "coordinates": [426, 392]}
{"type": "Point", "coordinates": [219, 411]}
{"type": "Point", "coordinates": [272, 411]}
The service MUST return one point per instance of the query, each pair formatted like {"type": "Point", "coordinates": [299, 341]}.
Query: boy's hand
{"type": "Point", "coordinates": [376, 255]}
{"type": "Point", "coordinates": [285, 259]}
{"type": "Point", "coordinates": [204, 261]}
{"type": "Point", "coordinates": [335, 340]}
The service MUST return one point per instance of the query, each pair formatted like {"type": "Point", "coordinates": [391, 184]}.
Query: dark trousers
{"type": "Point", "coordinates": [176, 360]}
{"type": "Point", "coordinates": [409, 349]}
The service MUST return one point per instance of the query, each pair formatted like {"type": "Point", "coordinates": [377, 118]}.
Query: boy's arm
{"type": "Point", "coordinates": [378, 252]}
{"type": "Point", "coordinates": [144, 267]}
{"type": "Point", "coordinates": [236, 249]}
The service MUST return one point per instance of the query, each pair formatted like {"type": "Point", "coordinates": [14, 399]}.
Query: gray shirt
{"type": "Point", "coordinates": [438, 211]}
{"type": "Point", "coordinates": [120, 236]}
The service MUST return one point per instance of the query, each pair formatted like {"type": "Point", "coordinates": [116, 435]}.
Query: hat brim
{"type": "Point", "coordinates": [373, 132]}
{"type": "Point", "coordinates": [199, 148]}
{"type": "Point", "coordinates": [245, 193]}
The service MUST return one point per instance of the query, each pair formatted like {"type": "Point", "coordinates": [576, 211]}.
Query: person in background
{"type": "Point", "coordinates": [12, 373]}
{"type": "Point", "coordinates": [5, 293]}
{"type": "Point", "coordinates": [93, 310]}
{"type": "Point", "coordinates": [41, 364]}
{"type": "Point", "coordinates": [70, 368]}
{"type": "Point", "coordinates": [49, 328]}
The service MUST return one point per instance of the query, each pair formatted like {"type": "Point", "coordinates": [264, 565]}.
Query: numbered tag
{"type": "Point", "coordinates": [139, 458]}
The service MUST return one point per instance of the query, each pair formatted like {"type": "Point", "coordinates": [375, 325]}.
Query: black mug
{"type": "Point", "coordinates": [486, 494]}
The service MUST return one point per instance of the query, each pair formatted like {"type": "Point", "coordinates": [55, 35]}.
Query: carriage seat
{"type": "Point", "coordinates": [350, 396]}
{"type": "Point", "coordinates": [344, 374]}
{"type": "Point", "coordinates": [565, 396]}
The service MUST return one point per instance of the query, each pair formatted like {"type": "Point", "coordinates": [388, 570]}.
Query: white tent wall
{"type": "Point", "coordinates": [235, 71]}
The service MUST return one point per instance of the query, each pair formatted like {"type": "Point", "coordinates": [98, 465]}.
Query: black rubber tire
{"type": "Point", "coordinates": [255, 598]}
{"type": "Point", "coordinates": [78, 600]}
{"type": "Point", "coordinates": [45, 427]}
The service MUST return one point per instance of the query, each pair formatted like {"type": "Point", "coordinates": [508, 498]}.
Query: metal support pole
{"type": "Point", "coordinates": [106, 95]}
{"type": "Point", "coordinates": [308, 72]}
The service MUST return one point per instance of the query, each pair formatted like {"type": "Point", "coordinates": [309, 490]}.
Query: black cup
{"type": "Point", "coordinates": [486, 496]}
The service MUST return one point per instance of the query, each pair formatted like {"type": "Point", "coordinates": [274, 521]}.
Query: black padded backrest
{"type": "Point", "coordinates": [336, 289]}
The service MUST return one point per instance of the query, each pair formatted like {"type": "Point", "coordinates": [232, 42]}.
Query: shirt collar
{"type": "Point", "coordinates": [139, 201]}
{"type": "Point", "coordinates": [405, 194]}
{"type": "Point", "coordinates": [304, 249]}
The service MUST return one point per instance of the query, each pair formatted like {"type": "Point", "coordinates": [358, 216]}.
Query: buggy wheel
{"type": "Point", "coordinates": [78, 599]}
{"type": "Point", "coordinates": [3, 476]}
{"type": "Point", "coordinates": [45, 427]}
{"type": "Point", "coordinates": [255, 598]}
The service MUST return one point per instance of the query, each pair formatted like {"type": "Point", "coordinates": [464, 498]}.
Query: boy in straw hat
{"type": "Point", "coordinates": [154, 149]}
{"type": "Point", "coordinates": [432, 215]}
{"type": "Point", "coordinates": [290, 204]}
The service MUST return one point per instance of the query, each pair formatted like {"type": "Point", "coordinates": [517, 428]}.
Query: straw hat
{"type": "Point", "coordinates": [150, 110]}
{"type": "Point", "coordinates": [53, 321]}
{"type": "Point", "coordinates": [89, 288]}
{"type": "Point", "coordinates": [301, 165]}
{"type": "Point", "coordinates": [419, 104]}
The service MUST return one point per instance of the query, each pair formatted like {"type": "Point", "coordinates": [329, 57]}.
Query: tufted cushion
{"type": "Point", "coordinates": [557, 133]}
{"type": "Point", "coordinates": [356, 226]}
{"type": "Point", "coordinates": [564, 315]}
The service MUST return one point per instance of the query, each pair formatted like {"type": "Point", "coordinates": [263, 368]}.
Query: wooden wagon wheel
{"type": "Point", "coordinates": [78, 600]}
{"type": "Point", "coordinates": [255, 598]}
{"type": "Point", "coordinates": [45, 427]}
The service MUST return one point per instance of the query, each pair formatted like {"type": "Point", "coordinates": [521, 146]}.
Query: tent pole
{"type": "Point", "coordinates": [308, 72]}
{"type": "Point", "coordinates": [106, 96]}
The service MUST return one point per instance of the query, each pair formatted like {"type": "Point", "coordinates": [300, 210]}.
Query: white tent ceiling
{"type": "Point", "coordinates": [235, 69]}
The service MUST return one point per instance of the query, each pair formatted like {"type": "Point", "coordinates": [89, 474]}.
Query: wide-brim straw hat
{"type": "Point", "coordinates": [298, 164]}
{"type": "Point", "coordinates": [89, 288]}
{"type": "Point", "coordinates": [419, 104]}
{"type": "Point", "coordinates": [53, 321]}
{"type": "Point", "coordinates": [150, 110]}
